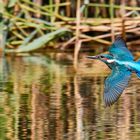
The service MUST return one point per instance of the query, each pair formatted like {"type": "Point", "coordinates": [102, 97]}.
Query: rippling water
{"type": "Point", "coordinates": [42, 98]}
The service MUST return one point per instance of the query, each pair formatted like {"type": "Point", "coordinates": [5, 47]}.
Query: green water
{"type": "Point", "coordinates": [42, 98]}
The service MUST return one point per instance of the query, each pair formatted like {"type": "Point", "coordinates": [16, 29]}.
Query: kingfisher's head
{"type": "Point", "coordinates": [106, 58]}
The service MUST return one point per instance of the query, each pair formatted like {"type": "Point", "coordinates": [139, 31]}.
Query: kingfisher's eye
{"type": "Point", "coordinates": [101, 56]}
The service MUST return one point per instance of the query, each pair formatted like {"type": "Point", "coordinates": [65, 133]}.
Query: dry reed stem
{"type": "Point", "coordinates": [78, 42]}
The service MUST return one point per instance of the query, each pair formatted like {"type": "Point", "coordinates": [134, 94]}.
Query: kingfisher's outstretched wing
{"type": "Point", "coordinates": [115, 83]}
{"type": "Point", "coordinates": [120, 51]}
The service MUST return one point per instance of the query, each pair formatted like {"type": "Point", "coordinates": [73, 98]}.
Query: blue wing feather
{"type": "Point", "coordinates": [119, 50]}
{"type": "Point", "coordinates": [115, 83]}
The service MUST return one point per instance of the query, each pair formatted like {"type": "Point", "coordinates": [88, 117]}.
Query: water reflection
{"type": "Point", "coordinates": [46, 99]}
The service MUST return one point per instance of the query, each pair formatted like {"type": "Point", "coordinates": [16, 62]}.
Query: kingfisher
{"type": "Point", "coordinates": [121, 61]}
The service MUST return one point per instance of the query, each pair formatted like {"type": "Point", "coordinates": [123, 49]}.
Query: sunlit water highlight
{"type": "Point", "coordinates": [43, 99]}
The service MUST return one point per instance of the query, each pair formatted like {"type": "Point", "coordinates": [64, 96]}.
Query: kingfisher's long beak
{"type": "Point", "coordinates": [93, 57]}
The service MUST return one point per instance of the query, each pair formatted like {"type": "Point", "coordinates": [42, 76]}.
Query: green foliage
{"type": "Point", "coordinates": [1, 6]}
{"type": "Point", "coordinates": [12, 3]}
{"type": "Point", "coordinates": [41, 41]}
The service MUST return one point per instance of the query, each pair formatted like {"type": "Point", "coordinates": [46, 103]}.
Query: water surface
{"type": "Point", "coordinates": [43, 98]}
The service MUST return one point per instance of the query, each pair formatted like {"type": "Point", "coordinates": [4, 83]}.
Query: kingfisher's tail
{"type": "Point", "coordinates": [138, 73]}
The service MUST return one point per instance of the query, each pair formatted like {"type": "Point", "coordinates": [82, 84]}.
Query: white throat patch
{"type": "Point", "coordinates": [111, 61]}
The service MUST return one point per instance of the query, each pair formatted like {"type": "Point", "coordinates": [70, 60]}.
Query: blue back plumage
{"type": "Point", "coordinates": [119, 50]}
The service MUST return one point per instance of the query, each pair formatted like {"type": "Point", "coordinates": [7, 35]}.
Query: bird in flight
{"type": "Point", "coordinates": [121, 61]}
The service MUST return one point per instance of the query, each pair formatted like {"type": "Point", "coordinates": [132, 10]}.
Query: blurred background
{"type": "Point", "coordinates": [48, 88]}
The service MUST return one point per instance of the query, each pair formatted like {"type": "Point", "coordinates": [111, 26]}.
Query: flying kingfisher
{"type": "Point", "coordinates": [121, 62]}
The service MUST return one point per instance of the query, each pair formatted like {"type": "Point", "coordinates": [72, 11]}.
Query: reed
{"type": "Point", "coordinates": [111, 10]}
{"type": "Point", "coordinates": [21, 18]}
